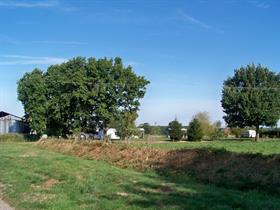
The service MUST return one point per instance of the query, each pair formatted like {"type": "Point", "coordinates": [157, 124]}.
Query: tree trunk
{"type": "Point", "coordinates": [257, 133]}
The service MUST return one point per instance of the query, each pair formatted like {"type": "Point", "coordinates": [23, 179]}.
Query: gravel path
{"type": "Point", "coordinates": [5, 206]}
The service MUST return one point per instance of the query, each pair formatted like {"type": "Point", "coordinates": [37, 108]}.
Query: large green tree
{"type": "Point", "coordinates": [83, 94]}
{"type": "Point", "coordinates": [252, 97]}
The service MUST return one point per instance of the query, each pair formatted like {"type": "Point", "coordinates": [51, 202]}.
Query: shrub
{"type": "Point", "coordinates": [175, 130]}
{"type": "Point", "coordinates": [195, 131]}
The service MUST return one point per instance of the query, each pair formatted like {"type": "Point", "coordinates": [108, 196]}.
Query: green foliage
{"type": "Point", "coordinates": [195, 131]}
{"type": "Point", "coordinates": [80, 95]}
{"type": "Point", "coordinates": [207, 127]}
{"type": "Point", "coordinates": [270, 132]}
{"type": "Point", "coordinates": [252, 97]}
{"type": "Point", "coordinates": [32, 94]}
{"type": "Point", "coordinates": [175, 130]}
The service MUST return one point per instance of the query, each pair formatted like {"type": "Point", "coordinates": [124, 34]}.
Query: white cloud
{"type": "Point", "coordinates": [29, 4]}
{"type": "Point", "coordinates": [29, 60]}
{"type": "Point", "coordinates": [60, 42]}
{"type": "Point", "coordinates": [192, 20]}
{"type": "Point", "coordinates": [260, 4]}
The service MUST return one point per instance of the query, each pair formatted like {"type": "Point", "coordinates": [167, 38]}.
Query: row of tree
{"type": "Point", "coordinates": [250, 98]}
{"type": "Point", "coordinates": [199, 127]}
{"type": "Point", "coordinates": [85, 94]}
{"type": "Point", "coordinates": [81, 95]}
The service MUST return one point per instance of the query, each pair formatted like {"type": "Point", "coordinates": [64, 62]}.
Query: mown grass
{"type": "Point", "coordinates": [35, 178]}
{"type": "Point", "coordinates": [265, 147]}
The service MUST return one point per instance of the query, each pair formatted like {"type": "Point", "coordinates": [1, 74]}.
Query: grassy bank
{"type": "Point", "coordinates": [217, 166]}
{"type": "Point", "coordinates": [35, 178]}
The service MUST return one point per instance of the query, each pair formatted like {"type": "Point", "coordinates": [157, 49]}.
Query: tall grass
{"type": "Point", "coordinates": [12, 138]}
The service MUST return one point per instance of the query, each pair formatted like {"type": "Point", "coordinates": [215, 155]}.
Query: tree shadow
{"type": "Point", "coordinates": [158, 192]}
{"type": "Point", "coordinates": [223, 168]}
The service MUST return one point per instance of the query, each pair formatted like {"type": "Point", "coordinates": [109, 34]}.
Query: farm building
{"type": "Point", "coordinates": [10, 123]}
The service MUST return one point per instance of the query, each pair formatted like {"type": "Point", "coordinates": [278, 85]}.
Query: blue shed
{"type": "Point", "coordinates": [10, 123]}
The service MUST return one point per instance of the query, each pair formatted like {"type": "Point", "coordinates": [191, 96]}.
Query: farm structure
{"type": "Point", "coordinates": [10, 123]}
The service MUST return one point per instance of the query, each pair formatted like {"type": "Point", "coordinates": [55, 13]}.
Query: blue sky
{"type": "Point", "coordinates": [185, 48]}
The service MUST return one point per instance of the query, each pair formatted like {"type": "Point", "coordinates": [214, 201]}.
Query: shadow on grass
{"type": "Point", "coordinates": [224, 168]}
{"type": "Point", "coordinates": [184, 193]}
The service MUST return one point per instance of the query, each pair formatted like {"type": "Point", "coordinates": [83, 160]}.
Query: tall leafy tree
{"type": "Point", "coordinates": [32, 94]}
{"type": "Point", "coordinates": [83, 94]}
{"type": "Point", "coordinates": [252, 97]}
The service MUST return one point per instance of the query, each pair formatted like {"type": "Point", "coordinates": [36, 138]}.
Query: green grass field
{"type": "Point", "coordinates": [265, 147]}
{"type": "Point", "coordinates": [35, 178]}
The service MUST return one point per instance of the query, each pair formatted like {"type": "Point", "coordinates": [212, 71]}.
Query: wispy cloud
{"type": "Point", "coordinates": [10, 40]}
{"type": "Point", "coordinates": [260, 4]}
{"type": "Point", "coordinates": [29, 60]}
{"type": "Point", "coordinates": [192, 20]}
{"type": "Point", "coordinates": [29, 4]}
{"type": "Point", "coordinates": [59, 42]}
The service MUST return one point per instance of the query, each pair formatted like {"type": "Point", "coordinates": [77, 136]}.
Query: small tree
{"type": "Point", "coordinates": [175, 130]}
{"type": "Point", "coordinates": [195, 131]}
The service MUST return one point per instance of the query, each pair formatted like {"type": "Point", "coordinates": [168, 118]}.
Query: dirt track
{"type": "Point", "coordinates": [5, 206]}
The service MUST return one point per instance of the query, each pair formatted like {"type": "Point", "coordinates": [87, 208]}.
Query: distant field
{"type": "Point", "coordinates": [34, 178]}
{"type": "Point", "coordinates": [265, 147]}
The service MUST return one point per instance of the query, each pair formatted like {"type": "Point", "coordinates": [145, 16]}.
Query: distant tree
{"type": "Point", "coordinates": [81, 95]}
{"type": "Point", "coordinates": [32, 94]}
{"type": "Point", "coordinates": [207, 126]}
{"type": "Point", "coordinates": [195, 131]}
{"type": "Point", "coordinates": [252, 98]}
{"type": "Point", "coordinates": [217, 130]}
{"type": "Point", "coordinates": [147, 127]}
{"type": "Point", "coordinates": [175, 130]}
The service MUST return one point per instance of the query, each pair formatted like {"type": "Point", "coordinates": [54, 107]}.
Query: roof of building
{"type": "Point", "coordinates": [4, 114]}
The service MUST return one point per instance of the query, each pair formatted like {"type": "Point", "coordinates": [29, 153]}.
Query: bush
{"type": "Point", "coordinates": [14, 137]}
{"type": "Point", "coordinates": [195, 131]}
{"type": "Point", "coordinates": [175, 130]}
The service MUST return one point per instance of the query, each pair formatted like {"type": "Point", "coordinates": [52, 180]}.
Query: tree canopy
{"type": "Point", "coordinates": [80, 95]}
{"type": "Point", "coordinates": [252, 97]}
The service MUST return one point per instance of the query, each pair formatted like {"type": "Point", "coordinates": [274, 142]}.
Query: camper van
{"type": "Point", "coordinates": [248, 134]}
